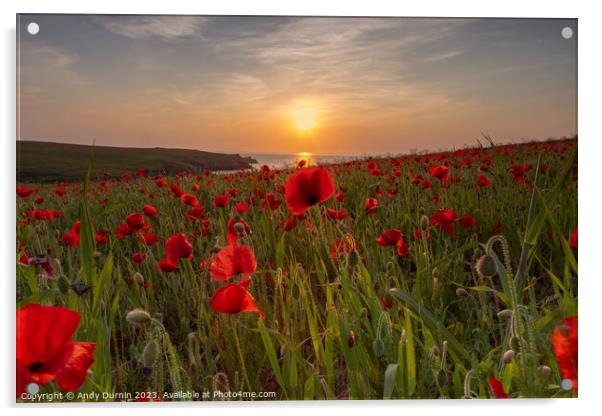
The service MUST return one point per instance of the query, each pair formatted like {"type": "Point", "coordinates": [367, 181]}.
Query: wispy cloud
{"type": "Point", "coordinates": [442, 56]}
{"type": "Point", "coordinates": [166, 27]}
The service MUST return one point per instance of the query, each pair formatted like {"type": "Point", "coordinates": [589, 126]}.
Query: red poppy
{"type": "Point", "coordinates": [122, 230]}
{"type": "Point", "coordinates": [178, 247]}
{"type": "Point", "coordinates": [336, 215]}
{"type": "Point", "coordinates": [467, 221]}
{"type": "Point", "coordinates": [444, 219]}
{"type": "Point", "coordinates": [371, 205]}
{"type": "Point", "coordinates": [234, 298]}
{"type": "Point", "coordinates": [39, 200]}
{"type": "Point", "coordinates": [70, 238]}
{"type": "Point", "coordinates": [135, 222]}
{"type": "Point", "coordinates": [45, 350]}
{"type": "Point", "coordinates": [221, 201]}
{"type": "Point", "coordinates": [519, 172]}
{"type": "Point", "coordinates": [138, 258]}
{"type": "Point", "coordinates": [196, 213]}
{"type": "Point", "coordinates": [497, 388]}
{"type": "Point", "coordinates": [102, 236]}
{"type": "Point", "coordinates": [483, 181]}
{"type": "Point", "coordinates": [340, 196]}
{"type": "Point", "coordinates": [167, 265]}
{"type": "Point", "coordinates": [24, 192]}
{"type": "Point", "coordinates": [308, 187]}
{"type": "Point", "coordinates": [231, 261]}
{"type": "Point", "coordinates": [497, 228]}
{"type": "Point", "coordinates": [237, 228]}
{"type": "Point", "coordinates": [565, 343]}
{"type": "Point", "coordinates": [289, 224]}
{"type": "Point", "coordinates": [60, 191]}
{"type": "Point", "coordinates": [301, 163]}
{"type": "Point", "coordinates": [272, 202]}
{"type": "Point", "coordinates": [342, 247]}
{"type": "Point", "coordinates": [241, 207]}
{"type": "Point", "coordinates": [149, 210]}
{"type": "Point", "coordinates": [149, 239]}
{"type": "Point", "coordinates": [574, 238]}
{"type": "Point", "coordinates": [188, 199]}
{"type": "Point", "coordinates": [389, 238]}
{"type": "Point", "coordinates": [440, 172]}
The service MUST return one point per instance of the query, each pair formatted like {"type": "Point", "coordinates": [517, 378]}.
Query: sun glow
{"type": "Point", "coordinates": [305, 115]}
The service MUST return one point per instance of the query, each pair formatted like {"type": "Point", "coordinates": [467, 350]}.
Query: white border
{"type": "Point", "coordinates": [590, 155]}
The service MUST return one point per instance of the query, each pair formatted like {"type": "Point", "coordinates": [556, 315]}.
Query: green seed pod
{"type": "Point", "coordinates": [544, 371]}
{"type": "Point", "coordinates": [63, 285]}
{"type": "Point", "coordinates": [137, 317]}
{"type": "Point", "coordinates": [508, 356]}
{"type": "Point", "coordinates": [378, 346]}
{"type": "Point", "coordinates": [424, 223]}
{"type": "Point", "coordinates": [461, 292]}
{"type": "Point", "coordinates": [505, 314]}
{"type": "Point", "coordinates": [239, 227]}
{"type": "Point", "coordinates": [150, 354]}
{"type": "Point", "coordinates": [486, 266]}
{"type": "Point", "coordinates": [138, 278]}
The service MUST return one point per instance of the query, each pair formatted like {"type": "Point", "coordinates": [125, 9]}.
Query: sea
{"type": "Point", "coordinates": [285, 160]}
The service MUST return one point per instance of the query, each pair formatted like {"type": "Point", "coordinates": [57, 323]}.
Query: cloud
{"type": "Point", "coordinates": [165, 27]}
{"type": "Point", "coordinates": [442, 56]}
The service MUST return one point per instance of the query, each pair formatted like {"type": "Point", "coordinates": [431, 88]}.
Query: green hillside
{"type": "Point", "coordinates": [48, 161]}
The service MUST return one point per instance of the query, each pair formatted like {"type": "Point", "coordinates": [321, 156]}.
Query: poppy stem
{"type": "Point", "coordinates": [240, 356]}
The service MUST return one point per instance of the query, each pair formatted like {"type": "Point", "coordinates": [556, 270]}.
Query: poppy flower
{"type": "Point", "coordinates": [138, 258]}
{"type": "Point", "coordinates": [444, 219]}
{"type": "Point", "coordinates": [39, 200]}
{"type": "Point", "coordinates": [497, 388]}
{"type": "Point", "coordinates": [221, 201]}
{"type": "Point", "coordinates": [371, 205]}
{"type": "Point", "coordinates": [565, 342]}
{"type": "Point", "coordinates": [497, 228]}
{"type": "Point", "coordinates": [340, 196]}
{"type": "Point", "coordinates": [122, 230]}
{"type": "Point", "coordinates": [241, 207]}
{"type": "Point", "coordinates": [70, 238]}
{"type": "Point", "coordinates": [60, 191]}
{"type": "Point", "coordinates": [271, 201]}
{"type": "Point", "coordinates": [167, 265]}
{"type": "Point", "coordinates": [342, 247]}
{"type": "Point", "coordinates": [519, 172]}
{"type": "Point", "coordinates": [45, 351]}
{"type": "Point", "coordinates": [196, 213]}
{"type": "Point", "coordinates": [231, 261]}
{"type": "Point", "coordinates": [178, 247]}
{"type": "Point", "coordinates": [289, 224]}
{"type": "Point", "coordinates": [149, 211]}
{"type": "Point", "coordinates": [237, 228]}
{"type": "Point", "coordinates": [573, 240]}
{"type": "Point", "coordinates": [389, 238]}
{"type": "Point", "coordinates": [301, 163]}
{"type": "Point", "coordinates": [135, 222]}
{"type": "Point", "coordinates": [102, 236]}
{"type": "Point", "coordinates": [149, 239]}
{"type": "Point", "coordinates": [24, 192]}
{"type": "Point", "coordinates": [467, 221]}
{"type": "Point", "coordinates": [440, 172]}
{"type": "Point", "coordinates": [336, 215]}
{"type": "Point", "coordinates": [483, 181]}
{"type": "Point", "coordinates": [188, 199]}
{"type": "Point", "coordinates": [235, 298]}
{"type": "Point", "coordinates": [308, 187]}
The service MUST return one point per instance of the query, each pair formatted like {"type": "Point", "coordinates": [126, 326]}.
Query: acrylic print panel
{"type": "Point", "coordinates": [295, 208]}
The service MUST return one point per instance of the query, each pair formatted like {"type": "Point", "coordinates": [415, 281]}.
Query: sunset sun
{"type": "Point", "coordinates": [304, 115]}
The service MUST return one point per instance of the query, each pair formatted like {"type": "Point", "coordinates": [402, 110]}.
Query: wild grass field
{"type": "Point", "coordinates": [443, 275]}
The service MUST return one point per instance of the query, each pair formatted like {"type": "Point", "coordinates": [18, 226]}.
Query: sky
{"type": "Point", "coordinates": [325, 85]}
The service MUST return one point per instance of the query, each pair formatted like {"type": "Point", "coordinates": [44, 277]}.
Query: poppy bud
{"type": "Point", "coordinates": [421, 210]}
{"type": "Point", "coordinates": [363, 313]}
{"type": "Point", "coordinates": [351, 339]}
{"type": "Point", "coordinates": [138, 278]}
{"type": "Point", "coordinates": [505, 314]}
{"type": "Point", "coordinates": [215, 249]}
{"type": "Point", "coordinates": [63, 285]}
{"type": "Point", "coordinates": [435, 351]}
{"type": "Point", "coordinates": [544, 370]}
{"type": "Point", "coordinates": [486, 266]}
{"type": "Point", "coordinates": [461, 292]}
{"type": "Point", "coordinates": [353, 258]}
{"type": "Point", "coordinates": [378, 346]}
{"type": "Point", "coordinates": [424, 223]}
{"type": "Point", "coordinates": [150, 354]}
{"type": "Point", "coordinates": [137, 317]}
{"type": "Point", "coordinates": [239, 227]}
{"type": "Point", "coordinates": [508, 356]}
